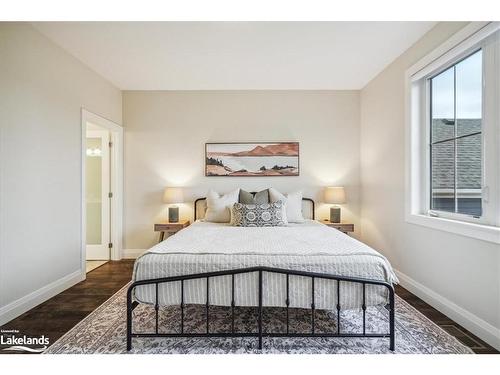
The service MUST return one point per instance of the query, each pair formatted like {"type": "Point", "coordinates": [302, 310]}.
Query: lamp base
{"type": "Point", "coordinates": [173, 214]}
{"type": "Point", "coordinates": [335, 214]}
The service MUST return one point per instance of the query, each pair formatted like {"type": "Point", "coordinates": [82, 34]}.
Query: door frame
{"type": "Point", "coordinates": [116, 184]}
{"type": "Point", "coordinates": [96, 249]}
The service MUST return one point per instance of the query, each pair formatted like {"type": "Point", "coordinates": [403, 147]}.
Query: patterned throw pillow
{"type": "Point", "coordinates": [258, 215]}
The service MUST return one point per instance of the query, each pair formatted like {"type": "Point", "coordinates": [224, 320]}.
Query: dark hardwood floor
{"type": "Point", "coordinates": [56, 316]}
{"type": "Point", "coordinates": [59, 314]}
{"type": "Point", "coordinates": [454, 329]}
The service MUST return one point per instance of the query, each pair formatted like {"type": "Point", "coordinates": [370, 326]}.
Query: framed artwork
{"type": "Point", "coordinates": [252, 159]}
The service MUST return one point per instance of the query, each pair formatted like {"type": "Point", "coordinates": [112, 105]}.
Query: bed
{"type": "Point", "coordinates": [306, 265]}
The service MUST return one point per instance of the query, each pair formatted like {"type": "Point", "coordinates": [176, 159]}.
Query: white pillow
{"type": "Point", "coordinates": [219, 207]}
{"type": "Point", "coordinates": [293, 204]}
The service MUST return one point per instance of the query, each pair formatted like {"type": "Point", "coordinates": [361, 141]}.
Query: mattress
{"type": "Point", "coordinates": [310, 246]}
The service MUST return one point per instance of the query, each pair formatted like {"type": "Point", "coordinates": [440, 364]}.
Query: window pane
{"type": "Point", "coordinates": [443, 176]}
{"type": "Point", "coordinates": [469, 172]}
{"type": "Point", "coordinates": [93, 191]}
{"type": "Point", "coordinates": [443, 105]}
{"type": "Point", "coordinates": [442, 129]}
{"type": "Point", "coordinates": [469, 94]}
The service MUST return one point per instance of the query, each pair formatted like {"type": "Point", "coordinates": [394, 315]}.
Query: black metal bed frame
{"type": "Point", "coordinates": [131, 304]}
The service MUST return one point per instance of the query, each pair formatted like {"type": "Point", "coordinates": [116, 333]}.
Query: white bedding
{"type": "Point", "coordinates": [311, 246]}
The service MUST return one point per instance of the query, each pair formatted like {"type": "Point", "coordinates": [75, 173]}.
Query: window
{"type": "Point", "coordinates": [455, 138]}
{"type": "Point", "coordinates": [453, 119]}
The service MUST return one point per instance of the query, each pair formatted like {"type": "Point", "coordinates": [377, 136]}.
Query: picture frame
{"type": "Point", "coordinates": [252, 159]}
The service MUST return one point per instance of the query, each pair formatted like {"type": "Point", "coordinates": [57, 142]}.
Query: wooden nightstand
{"type": "Point", "coordinates": [170, 228]}
{"type": "Point", "coordinates": [343, 227]}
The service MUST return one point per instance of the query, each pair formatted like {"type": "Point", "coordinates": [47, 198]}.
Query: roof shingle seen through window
{"type": "Point", "coordinates": [469, 150]}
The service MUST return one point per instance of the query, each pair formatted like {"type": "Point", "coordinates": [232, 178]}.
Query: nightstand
{"type": "Point", "coordinates": [343, 227]}
{"type": "Point", "coordinates": [170, 228]}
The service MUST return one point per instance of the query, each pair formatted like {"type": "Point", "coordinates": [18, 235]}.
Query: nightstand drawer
{"type": "Point", "coordinates": [343, 227]}
{"type": "Point", "coordinates": [169, 227]}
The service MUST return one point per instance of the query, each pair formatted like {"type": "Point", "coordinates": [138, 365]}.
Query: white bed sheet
{"type": "Point", "coordinates": [311, 246]}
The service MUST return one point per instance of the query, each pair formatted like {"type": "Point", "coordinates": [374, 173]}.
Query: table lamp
{"type": "Point", "coordinates": [335, 195]}
{"type": "Point", "coordinates": [173, 195]}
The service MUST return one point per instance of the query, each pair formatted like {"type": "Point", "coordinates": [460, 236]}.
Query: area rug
{"type": "Point", "coordinates": [104, 331]}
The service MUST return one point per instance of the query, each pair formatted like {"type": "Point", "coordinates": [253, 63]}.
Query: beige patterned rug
{"type": "Point", "coordinates": [103, 331]}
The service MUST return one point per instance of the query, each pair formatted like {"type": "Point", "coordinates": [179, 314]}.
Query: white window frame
{"type": "Point", "coordinates": [417, 210]}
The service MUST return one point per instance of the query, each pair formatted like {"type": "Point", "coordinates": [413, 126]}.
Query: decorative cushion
{"type": "Point", "coordinates": [258, 215]}
{"type": "Point", "coordinates": [219, 207]}
{"type": "Point", "coordinates": [292, 204]}
{"type": "Point", "coordinates": [259, 198]}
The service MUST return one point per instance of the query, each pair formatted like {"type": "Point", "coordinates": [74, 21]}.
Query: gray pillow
{"type": "Point", "coordinates": [259, 198]}
{"type": "Point", "coordinates": [257, 215]}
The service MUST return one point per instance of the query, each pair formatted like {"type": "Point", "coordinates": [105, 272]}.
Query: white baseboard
{"type": "Point", "coordinates": [132, 253]}
{"type": "Point", "coordinates": [473, 323]}
{"type": "Point", "coordinates": [23, 304]}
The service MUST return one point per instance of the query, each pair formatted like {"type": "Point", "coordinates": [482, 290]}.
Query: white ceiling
{"type": "Point", "coordinates": [236, 55]}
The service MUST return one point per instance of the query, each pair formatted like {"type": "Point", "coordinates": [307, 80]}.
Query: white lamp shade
{"type": "Point", "coordinates": [335, 195]}
{"type": "Point", "coordinates": [173, 195]}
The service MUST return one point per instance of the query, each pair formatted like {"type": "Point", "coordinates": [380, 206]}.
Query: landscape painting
{"type": "Point", "coordinates": [252, 159]}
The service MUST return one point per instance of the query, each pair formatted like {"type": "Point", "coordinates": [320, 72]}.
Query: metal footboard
{"type": "Point", "coordinates": [131, 305]}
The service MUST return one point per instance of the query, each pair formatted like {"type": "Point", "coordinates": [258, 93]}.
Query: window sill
{"type": "Point", "coordinates": [478, 231]}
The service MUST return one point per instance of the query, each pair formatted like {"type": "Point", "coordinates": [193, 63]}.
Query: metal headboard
{"type": "Point", "coordinates": [308, 200]}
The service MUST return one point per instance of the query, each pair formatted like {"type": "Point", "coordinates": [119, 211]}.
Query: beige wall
{"type": "Point", "coordinates": [464, 271]}
{"type": "Point", "coordinates": [165, 134]}
{"type": "Point", "coordinates": [42, 89]}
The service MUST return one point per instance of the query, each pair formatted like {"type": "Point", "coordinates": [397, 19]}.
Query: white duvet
{"type": "Point", "coordinates": [312, 246]}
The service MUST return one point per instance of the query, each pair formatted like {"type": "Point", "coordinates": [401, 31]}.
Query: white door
{"type": "Point", "coordinates": [97, 181]}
